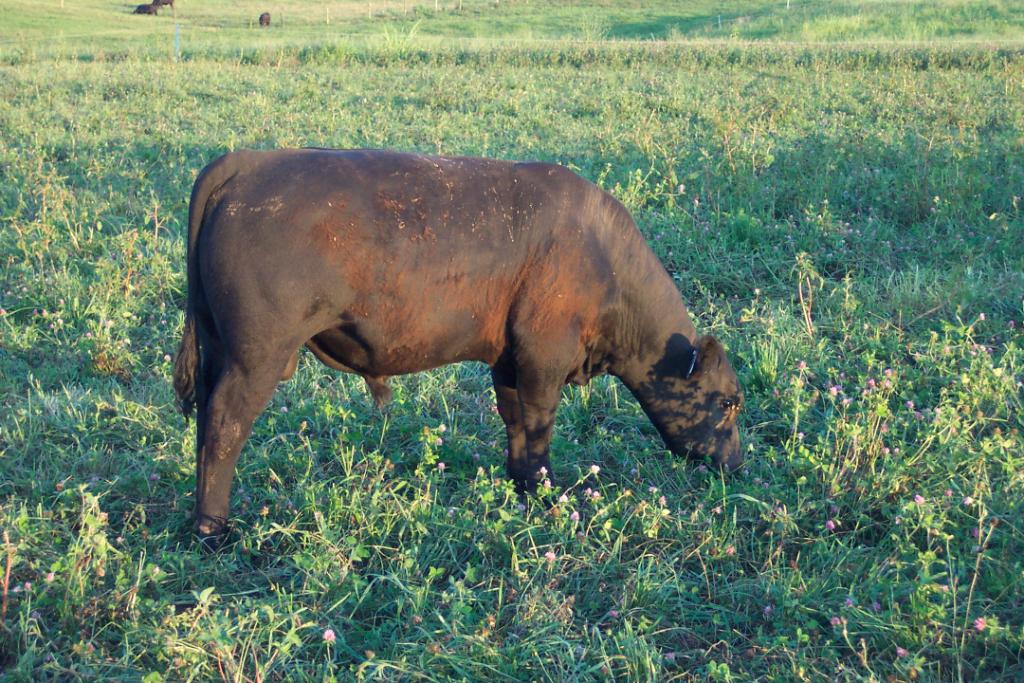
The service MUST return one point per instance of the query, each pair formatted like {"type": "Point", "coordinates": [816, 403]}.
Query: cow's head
{"type": "Point", "coordinates": [692, 396]}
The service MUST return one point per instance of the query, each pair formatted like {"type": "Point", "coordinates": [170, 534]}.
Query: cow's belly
{"type": "Point", "coordinates": [393, 341]}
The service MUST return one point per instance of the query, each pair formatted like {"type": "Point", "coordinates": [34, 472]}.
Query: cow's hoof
{"type": "Point", "coordinates": [212, 532]}
{"type": "Point", "coordinates": [212, 543]}
{"type": "Point", "coordinates": [525, 485]}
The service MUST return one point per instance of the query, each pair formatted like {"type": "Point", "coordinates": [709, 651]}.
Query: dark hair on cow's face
{"type": "Point", "coordinates": [719, 400]}
{"type": "Point", "coordinates": [694, 399]}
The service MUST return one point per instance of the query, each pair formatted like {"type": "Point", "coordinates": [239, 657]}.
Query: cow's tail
{"type": "Point", "coordinates": [187, 364]}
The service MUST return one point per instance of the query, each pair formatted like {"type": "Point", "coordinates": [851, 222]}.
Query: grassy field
{"type": "Point", "coordinates": [845, 218]}
{"type": "Point", "coordinates": [101, 28]}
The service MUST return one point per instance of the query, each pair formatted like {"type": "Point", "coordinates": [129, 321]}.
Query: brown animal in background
{"type": "Point", "coordinates": [147, 9]}
{"type": "Point", "coordinates": [265, 19]}
{"type": "Point", "coordinates": [383, 264]}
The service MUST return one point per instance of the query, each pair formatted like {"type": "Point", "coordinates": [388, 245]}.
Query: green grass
{"type": "Point", "coordinates": [883, 185]}
{"type": "Point", "coordinates": [102, 28]}
{"type": "Point", "coordinates": [805, 20]}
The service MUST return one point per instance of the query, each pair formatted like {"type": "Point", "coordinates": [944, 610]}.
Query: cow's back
{"type": "Point", "coordinates": [423, 253]}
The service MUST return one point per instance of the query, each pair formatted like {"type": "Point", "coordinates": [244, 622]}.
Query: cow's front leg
{"type": "Point", "coordinates": [539, 394]}
{"type": "Point", "coordinates": [506, 396]}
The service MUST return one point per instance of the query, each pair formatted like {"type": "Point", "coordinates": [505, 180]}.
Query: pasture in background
{"type": "Point", "coordinates": [101, 28]}
{"type": "Point", "coordinates": [845, 217]}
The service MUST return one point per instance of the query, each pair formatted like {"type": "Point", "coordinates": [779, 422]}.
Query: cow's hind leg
{"type": "Point", "coordinates": [211, 365]}
{"type": "Point", "coordinates": [239, 393]}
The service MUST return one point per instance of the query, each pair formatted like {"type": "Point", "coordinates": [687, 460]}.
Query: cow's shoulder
{"type": "Point", "coordinates": [553, 184]}
{"type": "Point", "coordinates": [546, 174]}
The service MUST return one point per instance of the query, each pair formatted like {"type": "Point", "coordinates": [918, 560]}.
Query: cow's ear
{"type": "Point", "coordinates": [707, 355]}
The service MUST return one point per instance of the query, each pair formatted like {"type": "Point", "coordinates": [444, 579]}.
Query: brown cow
{"type": "Point", "coordinates": [265, 19]}
{"type": "Point", "coordinates": [383, 264]}
{"type": "Point", "coordinates": [147, 9]}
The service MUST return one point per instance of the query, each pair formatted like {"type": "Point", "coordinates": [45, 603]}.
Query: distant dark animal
{"type": "Point", "coordinates": [383, 263]}
{"type": "Point", "coordinates": [146, 9]}
{"type": "Point", "coordinates": [265, 19]}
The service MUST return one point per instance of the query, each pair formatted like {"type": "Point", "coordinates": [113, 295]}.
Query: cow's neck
{"type": "Point", "coordinates": [653, 322]}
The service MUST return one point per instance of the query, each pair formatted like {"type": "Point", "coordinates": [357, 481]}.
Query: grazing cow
{"type": "Point", "coordinates": [147, 9]}
{"type": "Point", "coordinates": [265, 19]}
{"type": "Point", "coordinates": [383, 263]}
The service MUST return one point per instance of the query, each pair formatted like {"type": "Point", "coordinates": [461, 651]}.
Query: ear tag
{"type": "Point", "coordinates": [693, 364]}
